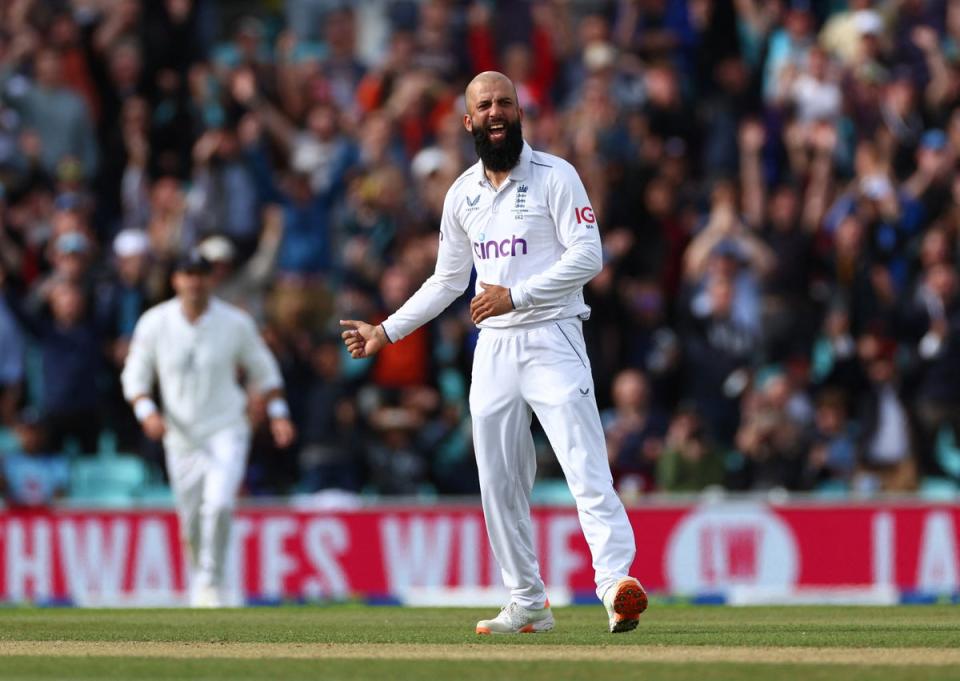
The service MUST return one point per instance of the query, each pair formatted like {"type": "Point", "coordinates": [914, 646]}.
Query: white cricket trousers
{"type": "Point", "coordinates": [543, 370]}
{"type": "Point", "coordinates": [205, 481]}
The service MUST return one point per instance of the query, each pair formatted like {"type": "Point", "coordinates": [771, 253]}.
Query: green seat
{"type": "Point", "coordinates": [155, 494]}
{"type": "Point", "coordinates": [832, 489]}
{"type": "Point", "coordinates": [8, 441]}
{"type": "Point", "coordinates": [947, 452]}
{"type": "Point", "coordinates": [551, 493]}
{"type": "Point", "coordinates": [938, 489]}
{"type": "Point", "coordinates": [107, 443]}
{"type": "Point", "coordinates": [113, 481]}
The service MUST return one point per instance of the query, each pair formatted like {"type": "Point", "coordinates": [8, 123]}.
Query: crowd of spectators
{"type": "Point", "coordinates": [775, 182]}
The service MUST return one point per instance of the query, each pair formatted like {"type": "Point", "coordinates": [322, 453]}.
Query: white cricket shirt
{"type": "Point", "coordinates": [537, 235]}
{"type": "Point", "coordinates": [197, 366]}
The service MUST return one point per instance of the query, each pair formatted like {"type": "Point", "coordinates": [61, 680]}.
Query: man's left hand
{"type": "Point", "coordinates": [283, 432]}
{"type": "Point", "coordinates": [494, 300]}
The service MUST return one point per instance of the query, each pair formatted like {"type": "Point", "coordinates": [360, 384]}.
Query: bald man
{"type": "Point", "coordinates": [523, 219]}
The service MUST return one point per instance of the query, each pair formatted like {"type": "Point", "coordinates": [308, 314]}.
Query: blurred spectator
{"type": "Point", "coordinates": [718, 350]}
{"type": "Point", "coordinates": [690, 462]}
{"type": "Point", "coordinates": [812, 90]}
{"type": "Point", "coordinates": [396, 465]}
{"type": "Point", "coordinates": [886, 444]}
{"type": "Point", "coordinates": [634, 431]}
{"type": "Point", "coordinates": [404, 364]}
{"type": "Point", "coordinates": [31, 477]}
{"type": "Point", "coordinates": [243, 283]}
{"type": "Point", "coordinates": [11, 363]}
{"type": "Point", "coordinates": [72, 361]}
{"type": "Point", "coordinates": [448, 435]}
{"type": "Point", "coordinates": [934, 325]}
{"type": "Point", "coordinates": [832, 457]}
{"type": "Point", "coordinates": [844, 32]}
{"type": "Point", "coordinates": [319, 158]}
{"type": "Point", "coordinates": [333, 453]}
{"type": "Point", "coordinates": [529, 62]}
{"type": "Point", "coordinates": [726, 249]}
{"type": "Point", "coordinates": [223, 190]}
{"type": "Point", "coordinates": [786, 298]}
{"type": "Point", "coordinates": [55, 114]}
{"type": "Point", "coordinates": [773, 433]}
{"type": "Point", "coordinates": [134, 285]}
{"type": "Point", "coordinates": [788, 49]}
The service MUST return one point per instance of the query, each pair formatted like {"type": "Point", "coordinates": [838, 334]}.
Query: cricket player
{"type": "Point", "coordinates": [194, 345]}
{"type": "Point", "coordinates": [523, 219]}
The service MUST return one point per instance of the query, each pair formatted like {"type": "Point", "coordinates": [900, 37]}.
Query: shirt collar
{"type": "Point", "coordinates": [202, 319]}
{"type": "Point", "coordinates": [522, 169]}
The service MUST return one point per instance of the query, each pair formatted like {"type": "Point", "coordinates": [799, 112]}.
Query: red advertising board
{"type": "Point", "coordinates": [117, 557]}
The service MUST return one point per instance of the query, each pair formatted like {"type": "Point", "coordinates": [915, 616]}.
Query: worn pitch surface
{"type": "Point", "coordinates": [673, 642]}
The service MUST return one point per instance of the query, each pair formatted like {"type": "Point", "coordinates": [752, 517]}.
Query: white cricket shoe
{"type": "Point", "coordinates": [625, 601]}
{"type": "Point", "coordinates": [207, 597]}
{"type": "Point", "coordinates": [515, 619]}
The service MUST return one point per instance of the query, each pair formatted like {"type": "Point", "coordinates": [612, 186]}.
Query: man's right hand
{"type": "Point", "coordinates": [362, 339]}
{"type": "Point", "coordinates": [153, 426]}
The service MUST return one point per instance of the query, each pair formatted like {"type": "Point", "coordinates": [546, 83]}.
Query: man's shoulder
{"type": "Point", "coordinates": [551, 165]}
{"type": "Point", "coordinates": [159, 312]}
{"type": "Point", "coordinates": [230, 313]}
{"type": "Point", "coordinates": [461, 181]}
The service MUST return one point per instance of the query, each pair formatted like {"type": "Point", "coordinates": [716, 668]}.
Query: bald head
{"type": "Point", "coordinates": [493, 117]}
{"type": "Point", "coordinates": [487, 81]}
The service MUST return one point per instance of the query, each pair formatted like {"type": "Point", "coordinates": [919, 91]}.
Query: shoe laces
{"type": "Point", "coordinates": [515, 614]}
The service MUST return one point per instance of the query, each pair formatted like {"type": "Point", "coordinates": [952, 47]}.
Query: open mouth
{"type": "Point", "coordinates": [497, 131]}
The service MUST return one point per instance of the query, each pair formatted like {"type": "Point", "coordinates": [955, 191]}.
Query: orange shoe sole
{"type": "Point", "coordinates": [529, 629]}
{"type": "Point", "coordinates": [485, 631]}
{"type": "Point", "coordinates": [629, 602]}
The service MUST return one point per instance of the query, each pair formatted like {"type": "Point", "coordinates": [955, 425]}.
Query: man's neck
{"type": "Point", "coordinates": [193, 312]}
{"type": "Point", "coordinates": [496, 177]}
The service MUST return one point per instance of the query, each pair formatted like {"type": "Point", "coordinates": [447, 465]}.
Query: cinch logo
{"type": "Point", "coordinates": [506, 248]}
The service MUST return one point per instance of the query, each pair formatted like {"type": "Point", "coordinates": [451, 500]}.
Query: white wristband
{"type": "Point", "coordinates": [143, 408]}
{"type": "Point", "coordinates": [930, 345]}
{"type": "Point", "coordinates": [277, 408]}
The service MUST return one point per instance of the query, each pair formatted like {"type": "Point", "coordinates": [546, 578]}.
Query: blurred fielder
{"type": "Point", "coordinates": [523, 219]}
{"type": "Point", "coordinates": [194, 345]}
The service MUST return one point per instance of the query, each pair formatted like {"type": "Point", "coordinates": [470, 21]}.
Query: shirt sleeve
{"type": "Point", "coordinates": [577, 232]}
{"type": "Point", "coordinates": [448, 282]}
{"type": "Point", "coordinates": [138, 371]}
{"type": "Point", "coordinates": [261, 366]}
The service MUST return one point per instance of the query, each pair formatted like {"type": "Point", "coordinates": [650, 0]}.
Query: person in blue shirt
{"type": "Point", "coordinates": [70, 344]}
{"type": "Point", "coordinates": [30, 477]}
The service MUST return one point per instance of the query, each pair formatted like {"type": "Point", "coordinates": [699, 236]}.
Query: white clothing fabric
{"type": "Point", "coordinates": [544, 370]}
{"type": "Point", "coordinates": [204, 406]}
{"type": "Point", "coordinates": [891, 443]}
{"type": "Point", "coordinates": [816, 99]}
{"type": "Point", "coordinates": [536, 235]}
{"type": "Point", "coordinates": [205, 481]}
{"type": "Point", "coordinates": [196, 366]}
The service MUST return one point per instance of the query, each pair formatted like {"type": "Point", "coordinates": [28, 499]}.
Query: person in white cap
{"type": "Point", "coordinates": [523, 219]}
{"type": "Point", "coordinates": [133, 285]}
{"type": "Point", "coordinates": [244, 284]}
{"type": "Point", "coordinates": [193, 345]}
{"type": "Point", "coordinates": [843, 32]}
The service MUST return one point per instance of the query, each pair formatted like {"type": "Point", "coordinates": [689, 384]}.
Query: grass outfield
{"type": "Point", "coordinates": [678, 643]}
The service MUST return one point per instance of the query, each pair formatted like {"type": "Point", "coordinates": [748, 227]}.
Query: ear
{"type": "Point", "coordinates": [468, 122]}
{"type": "Point", "coordinates": [519, 113]}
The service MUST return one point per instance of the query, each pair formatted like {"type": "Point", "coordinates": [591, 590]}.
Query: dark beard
{"type": "Point", "coordinates": [503, 156]}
